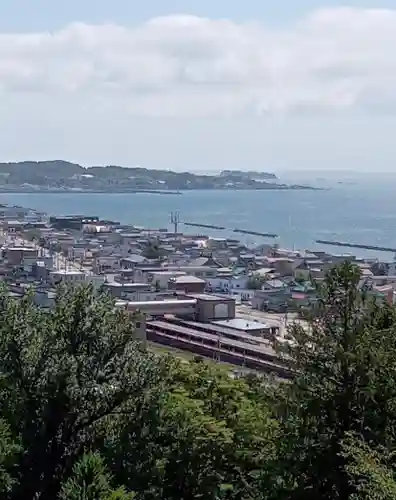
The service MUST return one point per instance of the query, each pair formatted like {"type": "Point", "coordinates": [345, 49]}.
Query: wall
{"type": "Point", "coordinates": [76, 252]}
{"type": "Point", "coordinates": [275, 297]}
{"type": "Point", "coordinates": [227, 283]}
{"type": "Point", "coordinates": [140, 329]}
{"type": "Point", "coordinates": [185, 308]}
{"type": "Point", "coordinates": [208, 310]}
{"type": "Point", "coordinates": [96, 280]}
{"type": "Point", "coordinates": [16, 256]}
{"type": "Point", "coordinates": [243, 295]}
{"type": "Point", "coordinates": [219, 284]}
{"type": "Point", "coordinates": [162, 280]}
{"type": "Point", "coordinates": [187, 287]}
{"type": "Point", "coordinates": [68, 278]}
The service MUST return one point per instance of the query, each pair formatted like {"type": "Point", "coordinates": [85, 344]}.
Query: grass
{"type": "Point", "coordinates": [164, 350]}
{"type": "Point", "coordinates": [184, 355]}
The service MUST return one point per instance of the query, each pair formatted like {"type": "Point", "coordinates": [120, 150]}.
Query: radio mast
{"type": "Point", "coordinates": [175, 220]}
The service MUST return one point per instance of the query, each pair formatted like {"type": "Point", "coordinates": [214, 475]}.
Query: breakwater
{"type": "Point", "coordinates": [236, 230]}
{"type": "Point", "coordinates": [356, 245]}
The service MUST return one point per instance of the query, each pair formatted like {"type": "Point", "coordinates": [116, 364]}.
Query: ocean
{"type": "Point", "coordinates": [352, 211]}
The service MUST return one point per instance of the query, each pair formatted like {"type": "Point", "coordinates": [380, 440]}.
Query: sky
{"type": "Point", "coordinates": [200, 85]}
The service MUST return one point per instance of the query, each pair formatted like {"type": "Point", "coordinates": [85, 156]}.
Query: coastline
{"type": "Point", "coordinates": [86, 191]}
{"type": "Point", "coordinates": [154, 191]}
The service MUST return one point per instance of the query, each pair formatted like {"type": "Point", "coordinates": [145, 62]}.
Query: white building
{"type": "Point", "coordinates": [227, 283]}
{"type": "Point", "coordinates": [242, 294]}
{"type": "Point", "coordinates": [160, 279]}
{"type": "Point", "coordinates": [68, 276]}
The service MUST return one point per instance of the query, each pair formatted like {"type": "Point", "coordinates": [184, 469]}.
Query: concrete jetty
{"type": "Point", "coordinates": [356, 245]}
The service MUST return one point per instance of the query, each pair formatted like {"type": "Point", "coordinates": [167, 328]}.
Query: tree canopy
{"type": "Point", "coordinates": [87, 413]}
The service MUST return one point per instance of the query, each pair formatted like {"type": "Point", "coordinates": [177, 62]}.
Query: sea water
{"type": "Point", "coordinates": [363, 213]}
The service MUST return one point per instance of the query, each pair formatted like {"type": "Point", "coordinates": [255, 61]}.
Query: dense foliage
{"type": "Point", "coordinates": [87, 414]}
{"type": "Point", "coordinates": [66, 175]}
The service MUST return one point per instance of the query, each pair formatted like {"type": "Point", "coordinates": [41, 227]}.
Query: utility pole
{"type": "Point", "coordinates": [175, 220]}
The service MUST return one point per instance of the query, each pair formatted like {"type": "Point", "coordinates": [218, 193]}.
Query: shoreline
{"type": "Point", "coordinates": [96, 191]}
{"type": "Point", "coordinates": [148, 191]}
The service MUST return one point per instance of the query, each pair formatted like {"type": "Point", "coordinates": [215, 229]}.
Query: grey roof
{"type": "Point", "coordinates": [136, 258]}
{"type": "Point", "coordinates": [209, 297]}
{"type": "Point", "coordinates": [276, 284]}
{"type": "Point", "coordinates": [247, 256]}
{"type": "Point", "coordinates": [188, 279]}
{"type": "Point", "coordinates": [264, 270]}
{"type": "Point", "coordinates": [242, 324]}
{"type": "Point", "coordinates": [200, 261]}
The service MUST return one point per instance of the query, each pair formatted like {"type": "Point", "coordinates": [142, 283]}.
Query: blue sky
{"type": "Point", "coordinates": [308, 85]}
{"type": "Point", "coordinates": [32, 15]}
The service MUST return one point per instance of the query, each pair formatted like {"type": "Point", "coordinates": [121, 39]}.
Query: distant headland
{"type": "Point", "coordinates": [63, 176]}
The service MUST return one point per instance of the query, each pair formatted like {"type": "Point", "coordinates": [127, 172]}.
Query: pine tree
{"type": "Point", "coordinates": [345, 381]}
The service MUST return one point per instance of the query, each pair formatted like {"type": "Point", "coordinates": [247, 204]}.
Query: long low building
{"type": "Point", "coordinates": [184, 308]}
{"type": "Point", "coordinates": [200, 307]}
{"type": "Point", "coordinates": [220, 348]}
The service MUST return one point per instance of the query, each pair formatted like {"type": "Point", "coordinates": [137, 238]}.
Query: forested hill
{"type": "Point", "coordinates": [60, 174]}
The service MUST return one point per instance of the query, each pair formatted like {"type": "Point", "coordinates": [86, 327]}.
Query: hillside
{"type": "Point", "coordinates": [62, 175]}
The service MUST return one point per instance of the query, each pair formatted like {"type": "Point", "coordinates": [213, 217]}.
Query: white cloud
{"type": "Point", "coordinates": [333, 60]}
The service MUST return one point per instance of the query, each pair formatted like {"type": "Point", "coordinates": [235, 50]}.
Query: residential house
{"type": "Point", "coordinates": [187, 284]}
{"type": "Point", "coordinates": [106, 264]}
{"type": "Point", "coordinates": [242, 294]}
{"type": "Point", "coordinates": [274, 295]}
{"type": "Point", "coordinates": [266, 273]}
{"type": "Point", "coordinates": [205, 261]}
{"type": "Point", "coordinates": [132, 261]}
{"type": "Point", "coordinates": [160, 278]}
{"type": "Point", "coordinates": [128, 291]}
{"type": "Point", "coordinates": [303, 268]}
{"type": "Point", "coordinates": [247, 260]}
{"type": "Point", "coordinates": [284, 266]}
{"type": "Point", "coordinates": [227, 280]}
{"type": "Point", "coordinates": [216, 243]}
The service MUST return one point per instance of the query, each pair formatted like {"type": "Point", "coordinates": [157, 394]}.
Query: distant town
{"type": "Point", "coordinates": [60, 176]}
{"type": "Point", "coordinates": [208, 296]}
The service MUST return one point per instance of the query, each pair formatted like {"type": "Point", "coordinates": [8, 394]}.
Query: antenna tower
{"type": "Point", "coordinates": [175, 220]}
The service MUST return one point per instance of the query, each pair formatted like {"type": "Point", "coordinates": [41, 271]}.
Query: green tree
{"type": "Point", "coordinates": [9, 448]}
{"type": "Point", "coordinates": [90, 480]}
{"type": "Point", "coordinates": [153, 250]}
{"type": "Point", "coordinates": [256, 281]}
{"type": "Point", "coordinates": [33, 234]}
{"type": "Point", "coordinates": [63, 375]}
{"type": "Point", "coordinates": [345, 382]}
{"type": "Point", "coordinates": [210, 440]}
{"type": "Point", "coordinates": [369, 470]}
{"type": "Point", "coordinates": [86, 413]}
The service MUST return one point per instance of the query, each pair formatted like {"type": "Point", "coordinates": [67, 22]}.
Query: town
{"type": "Point", "coordinates": [208, 296]}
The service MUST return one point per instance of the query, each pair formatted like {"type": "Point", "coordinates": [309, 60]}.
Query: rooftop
{"type": "Point", "coordinates": [175, 272]}
{"type": "Point", "coordinates": [242, 324]}
{"type": "Point", "coordinates": [117, 284]}
{"type": "Point", "coordinates": [208, 297]}
{"type": "Point", "coordinates": [67, 272]}
{"type": "Point", "coordinates": [21, 249]}
{"type": "Point", "coordinates": [188, 279]}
